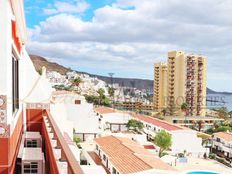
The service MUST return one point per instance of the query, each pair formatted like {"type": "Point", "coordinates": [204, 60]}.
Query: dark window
{"type": "Point", "coordinates": [114, 171]}
{"type": "Point", "coordinates": [31, 143]}
{"type": "Point", "coordinates": [104, 157]}
{"type": "Point", "coordinates": [15, 84]}
{"type": "Point", "coordinates": [31, 167]}
{"type": "Point", "coordinates": [77, 102]}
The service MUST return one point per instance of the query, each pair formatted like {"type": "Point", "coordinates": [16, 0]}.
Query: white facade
{"type": "Point", "coordinates": [116, 122]}
{"type": "Point", "coordinates": [191, 144]}
{"type": "Point", "coordinates": [223, 145]}
{"type": "Point", "coordinates": [75, 116]}
{"type": "Point", "coordinates": [56, 78]}
{"type": "Point", "coordinates": [187, 140]}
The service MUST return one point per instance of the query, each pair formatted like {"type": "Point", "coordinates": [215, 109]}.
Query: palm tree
{"type": "Point", "coordinates": [101, 93]}
{"type": "Point", "coordinates": [76, 81]}
{"type": "Point", "coordinates": [184, 107]}
{"type": "Point", "coordinates": [111, 91]}
{"type": "Point", "coordinates": [164, 112]}
{"type": "Point", "coordinates": [200, 124]}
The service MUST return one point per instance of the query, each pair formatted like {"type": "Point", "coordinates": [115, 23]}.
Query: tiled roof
{"type": "Point", "coordinates": [224, 135]}
{"type": "Point", "coordinates": [129, 157]}
{"type": "Point", "coordinates": [62, 92]}
{"type": "Point", "coordinates": [160, 123]}
{"type": "Point", "coordinates": [104, 110]}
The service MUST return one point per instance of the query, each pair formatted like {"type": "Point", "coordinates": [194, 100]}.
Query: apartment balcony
{"type": "Point", "coordinates": [59, 157]}
{"type": "Point", "coordinates": [58, 154]}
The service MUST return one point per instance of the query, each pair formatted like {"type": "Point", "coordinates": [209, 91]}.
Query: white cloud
{"type": "Point", "coordinates": [132, 39]}
{"type": "Point", "coordinates": [76, 6]}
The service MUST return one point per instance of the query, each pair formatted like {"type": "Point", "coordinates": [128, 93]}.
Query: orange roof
{"type": "Point", "coordinates": [62, 92]}
{"type": "Point", "coordinates": [224, 135]}
{"type": "Point", "coordinates": [104, 110]}
{"type": "Point", "coordinates": [129, 157]}
{"type": "Point", "coordinates": [157, 122]}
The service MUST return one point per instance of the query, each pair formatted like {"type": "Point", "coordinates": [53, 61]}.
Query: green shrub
{"type": "Point", "coordinates": [212, 156]}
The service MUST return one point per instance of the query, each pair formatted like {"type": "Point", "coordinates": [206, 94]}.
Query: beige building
{"type": "Point", "coordinates": [186, 83]}
{"type": "Point", "coordinates": [160, 85]}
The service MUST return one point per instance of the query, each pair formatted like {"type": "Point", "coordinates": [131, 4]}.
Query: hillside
{"type": "Point", "coordinates": [39, 62]}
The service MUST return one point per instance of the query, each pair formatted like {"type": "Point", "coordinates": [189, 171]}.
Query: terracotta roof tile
{"type": "Point", "coordinates": [104, 110]}
{"type": "Point", "coordinates": [157, 122]}
{"type": "Point", "coordinates": [224, 135]}
{"type": "Point", "coordinates": [128, 156]}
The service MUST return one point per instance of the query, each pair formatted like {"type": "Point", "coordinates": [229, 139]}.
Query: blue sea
{"type": "Point", "coordinates": [219, 100]}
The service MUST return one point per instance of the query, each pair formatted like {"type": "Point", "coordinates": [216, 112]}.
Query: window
{"type": "Point", "coordinates": [104, 157]}
{"type": "Point", "coordinates": [77, 102]}
{"type": "Point", "coordinates": [15, 84]}
{"type": "Point", "coordinates": [97, 147]}
{"type": "Point", "coordinates": [31, 143]}
{"type": "Point", "coordinates": [30, 167]}
{"type": "Point", "coordinates": [114, 171]}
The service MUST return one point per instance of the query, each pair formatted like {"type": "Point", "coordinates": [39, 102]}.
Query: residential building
{"type": "Point", "coordinates": [187, 82]}
{"type": "Point", "coordinates": [222, 144]}
{"type": "Point", "coordinates": [112, 120]}
{"type": "Point", "coordinates": [160, 86]}
{"type": "Point", "coordinates": [134, 106]}
{"type": "Point", "coordinates": [116, 121]}
{"type": "Point", "coordinates": [122, 156]}
{"type": "Point", "coordinates": [194, 122]}
{"type": "Point", "coordinates": [56, 78]}
{"type": "Point", "coordinates": [192, 144]}
{"type": "Point", "coordinates": [73, 110]}
{"type": "Point", "coordinates": [181, 80]}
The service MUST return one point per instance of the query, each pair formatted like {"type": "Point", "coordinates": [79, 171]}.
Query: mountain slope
{"type": "Point", "coordinates": [39, 62]}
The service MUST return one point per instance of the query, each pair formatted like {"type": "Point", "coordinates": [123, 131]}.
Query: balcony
{"type": "Point", "coordinates": [59, 157]}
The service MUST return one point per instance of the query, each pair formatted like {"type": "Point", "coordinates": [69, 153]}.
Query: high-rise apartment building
{"type": "Point", "coordinates": [160, 85]}
{"type": "Point", "coordinates": [186, 83]}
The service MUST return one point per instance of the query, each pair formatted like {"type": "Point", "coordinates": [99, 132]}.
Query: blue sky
{"type": "Point", "coordinates": [128, 36]}
{"type": "Point", "coordinates": [34, 10]}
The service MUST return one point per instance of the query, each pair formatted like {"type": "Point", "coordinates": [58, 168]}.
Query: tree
{"type": "Point", "coordinates": [40, 71]}
{"type": "Point", "coordinates": [76, 81]}
{"type": "Point", "coordinates": [101, 93]}
{"type": "Point", "coordinates": [222, 112]}
{"type": "Point", "coordinates": [111, 91]}
{"type": "Point", "coordinates": [184, 107]}
{"type": "Point", "coordinates": [77, 140]}
{"type": "Point", "coordinates": [136, 125]}
{"type": "Point", "coordinates": [200, 124]}
{"type": "Point", "coordinates": [164, 112]}
{"type": "Point", "coordinates": [164, 140]}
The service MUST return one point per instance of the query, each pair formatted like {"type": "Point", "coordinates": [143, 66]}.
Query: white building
{"type": "Point", "coordinates": [122, 155]}
{"type": "Point", "coordinates": [112, 120]}
{"type": "Point", "coordinates": [56, 78]}
{"type": "Point", "coordinates": [76, 113]}
{"type": "Point", "coordinates": [222, 143]}
{"type": "Point", "coordinates": [192, 144]}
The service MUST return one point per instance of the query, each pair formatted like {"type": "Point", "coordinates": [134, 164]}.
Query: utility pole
{"type": "Point", "coordinates": [111, 81]}
{"type": "Point", "coordinates": [111, 78]}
